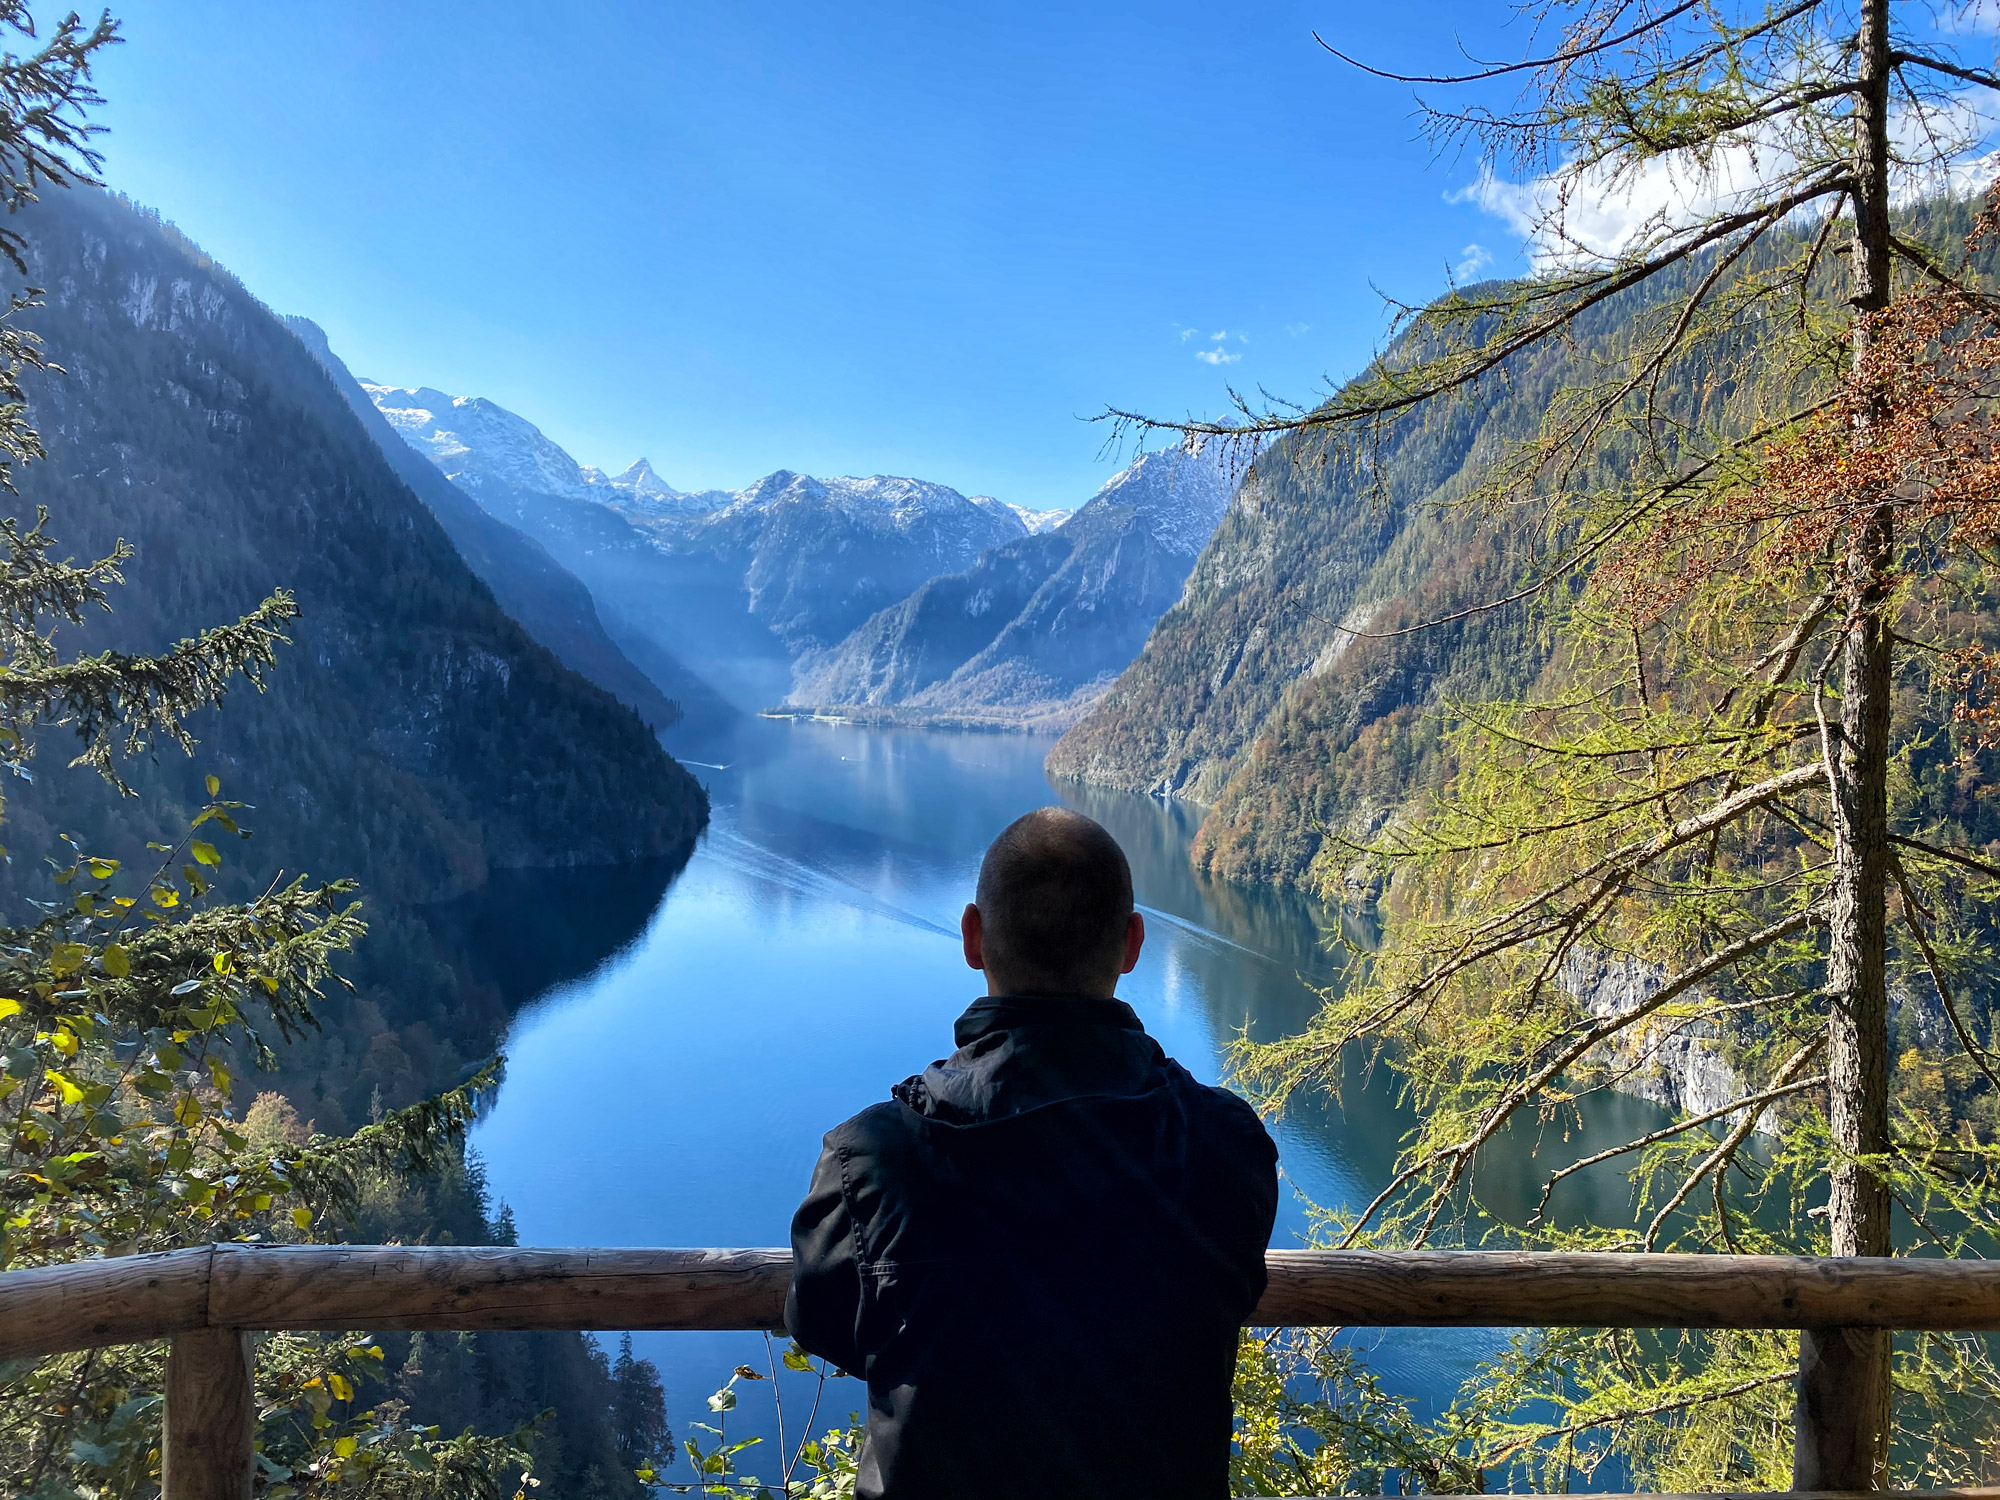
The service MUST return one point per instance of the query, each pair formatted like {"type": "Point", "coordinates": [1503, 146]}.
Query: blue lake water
{"type": "Point", "coordinates": [808, 958]}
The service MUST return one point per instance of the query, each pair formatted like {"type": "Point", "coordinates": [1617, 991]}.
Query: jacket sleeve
{"type": "Point", "coordinates": [1245, 1191]}
{"type": "Point", "coordinates": [823, 1308]}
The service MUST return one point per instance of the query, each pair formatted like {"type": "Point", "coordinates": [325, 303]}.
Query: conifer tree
{"type": "Point", "coordinates": [134, 1000]}
{"type": "Point", "coordinates": [1732, 780]}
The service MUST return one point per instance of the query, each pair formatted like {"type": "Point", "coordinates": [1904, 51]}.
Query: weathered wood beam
{"type": "Point", "coordinates": [435, 1286]}
{"type": "Point", "coordinates": [211, 1424]}
{"type": "Point", "coordinates": [1531, 1289]}
{"type": "Point", "coordinates": [88, 1304]}
{"type": "Point", "coordinates": [1840, 1438]}
{"type": "Point", "coordinates": [91, 1303]}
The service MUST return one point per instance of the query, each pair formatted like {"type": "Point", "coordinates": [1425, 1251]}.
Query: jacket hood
{"type": "Point", "coordinates": [1017, 1053]}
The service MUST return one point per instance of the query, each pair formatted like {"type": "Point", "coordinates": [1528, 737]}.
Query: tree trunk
{"type": "Point", "coordinates": [1858, 1011]}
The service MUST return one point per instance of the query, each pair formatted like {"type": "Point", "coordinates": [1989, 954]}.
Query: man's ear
{"type": "Point", "coordinates": [969, 929]}
{"type": "Point", "coordinates": [1135, 939]}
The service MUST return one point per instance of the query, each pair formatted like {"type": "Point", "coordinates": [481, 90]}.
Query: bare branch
{"type": "Point", "coordinates": [1556, 60]}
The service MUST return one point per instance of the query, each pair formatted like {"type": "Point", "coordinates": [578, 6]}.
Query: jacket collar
{"type": "Point", "coordinates": [1006, 1012]}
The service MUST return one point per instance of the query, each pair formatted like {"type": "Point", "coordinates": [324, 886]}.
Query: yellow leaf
{"type": "Point", "coordinates": [214, 786]}
{"type": "Point", "coordinates": [302, 1217]}
{"type": "Point", "coordinates": [9, 1007]}
{"type": "Point", "coordinates": [344, 1447]}
{"type": "Point", "coordinates": [224, 964]}
{"type": "Point", "coordinates": [116, 961]}
{"type": "Point", "coordinates": [187, 1110]}
{"type": "Point", "coordinates": [341, 1389]}
{"type": "Point", "coordinates": [204, 853]}
{"type": "Point", "coordinates": [71, 1094]}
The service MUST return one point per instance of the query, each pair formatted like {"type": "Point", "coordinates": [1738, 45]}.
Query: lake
{"type": "Point", "coordinates": [808, 958]}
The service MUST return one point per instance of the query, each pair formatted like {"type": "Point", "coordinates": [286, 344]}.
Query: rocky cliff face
{"type": "Point", "coordinates": [1675, 1063]}
{"type": "Point", "coordinates": [1034, 632]}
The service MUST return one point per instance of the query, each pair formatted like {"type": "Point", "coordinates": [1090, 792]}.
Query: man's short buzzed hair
{"type": "Point", "coordinates": [1055, 899]}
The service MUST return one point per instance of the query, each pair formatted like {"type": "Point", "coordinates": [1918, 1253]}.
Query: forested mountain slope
{"type": "Point", "coordinates": [412, 735]}
{"type": "Point", "coordinates": [538, 593]}
{"type": "Point", "coordinates": [1270, 694]}
{"type": "Point", "coordinates": [1034, 631]}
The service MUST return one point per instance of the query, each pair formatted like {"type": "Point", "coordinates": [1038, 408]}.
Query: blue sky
{"type": "Point", "coordinates": [864, 238]}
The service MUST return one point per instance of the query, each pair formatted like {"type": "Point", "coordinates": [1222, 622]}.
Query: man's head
{"type": "Point", "coordinates": [1053, 912]}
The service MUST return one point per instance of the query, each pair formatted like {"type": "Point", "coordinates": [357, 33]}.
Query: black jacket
{"type": "Point", "coordinates": [1039, 1255]}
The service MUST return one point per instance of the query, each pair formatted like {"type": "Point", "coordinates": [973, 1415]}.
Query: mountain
{"type": "Point", "coordinates": [543, 596]}
{"type": "Point", "coordinates": [412, 735]}
{"type": "Point", "coordinates": [1275, 693]}
{"type": "Point", "coordinates": [736, 583]}
{"type": "Point", "coordinates": [1037, 521]}
{"type": "Point", "coordinates": [1038, 628]}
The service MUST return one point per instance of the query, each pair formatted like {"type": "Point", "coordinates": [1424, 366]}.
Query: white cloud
{"type": "Point", "coordinates": [1297, 330]}
{"type": "Point", "coordinates": [1574, 214]}
{"type": "Point", "coordinates": [1471, 261]}
{"type": "Point", "coordinates": [1969, 18]}
{"type": "Point", "coordinates": [1186, 334]}
{"type": "Point", "coordinates": [1216, 356]}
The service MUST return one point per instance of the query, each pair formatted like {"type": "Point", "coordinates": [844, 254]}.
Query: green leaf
{"type": "Point", "coordinates": [722, 1400]}
{"type": "Point", "coordinates": [213, 784]}
{"type": "Point", "coordinates": [115, 960]}
{"type": "Point", "coordinates": [796, 1357]}
{"type": "Point", "coordinates": [205, 852]}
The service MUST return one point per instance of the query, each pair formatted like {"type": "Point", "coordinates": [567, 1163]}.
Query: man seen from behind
{"type": "Point", "coordinates": [1040, 1250]}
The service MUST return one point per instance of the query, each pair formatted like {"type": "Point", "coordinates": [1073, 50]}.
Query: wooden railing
{"type": "Point", "coordinates": [209, 1300]}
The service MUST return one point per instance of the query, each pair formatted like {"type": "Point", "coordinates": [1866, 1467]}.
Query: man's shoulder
{"type": "Point", "coordinates": [881, 1129]}
{"type": "Point", "coordinates": [1230, 1117]}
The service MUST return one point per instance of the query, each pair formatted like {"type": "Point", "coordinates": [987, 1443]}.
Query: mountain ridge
{"type": "Point", "coordinates": [738, 584]}
{"type": "Point", "coordinates": [549, 601]}
{"type": "Point", "coordinates": [1039, 627]}
{"type": "Point", "coordinates": [411, 735]}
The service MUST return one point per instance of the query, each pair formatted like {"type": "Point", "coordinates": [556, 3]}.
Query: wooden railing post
{"type": "Point", "coordinates": [211, 1417]}
{"type": "Point", "coordinates": [1841, 1434]}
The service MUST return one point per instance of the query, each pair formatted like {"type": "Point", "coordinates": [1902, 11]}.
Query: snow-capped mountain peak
{"type": "Point", "coordinates": [474, 441]}
{"type": "Point", "coordinates": [1180, 495]}
{"type": "Point", "coordinates": [1036, 521]}
{"type": "Point", "coordinates": [641, 489]}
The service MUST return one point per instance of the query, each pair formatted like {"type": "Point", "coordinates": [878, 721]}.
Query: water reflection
{"type": "Point", "coordinates": [807, 959]}
{"type": "Point", "coordinates": [527, 932]}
